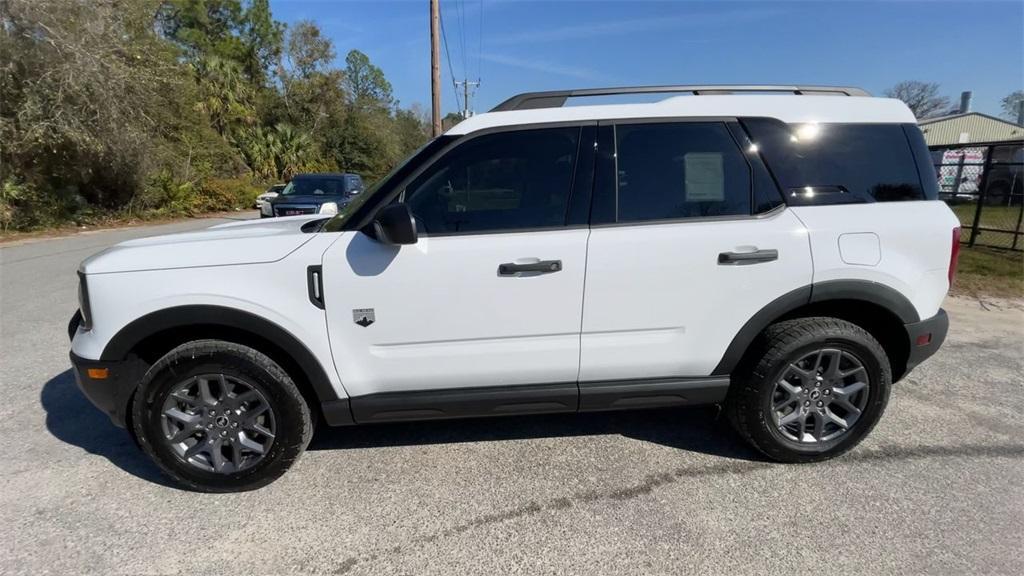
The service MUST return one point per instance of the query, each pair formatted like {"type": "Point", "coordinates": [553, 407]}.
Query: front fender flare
{"type": "Point", "coordinates": [118, 348]}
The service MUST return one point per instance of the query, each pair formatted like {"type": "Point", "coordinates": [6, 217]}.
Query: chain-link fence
{"type": "Point", "coordinates": [984, 185]}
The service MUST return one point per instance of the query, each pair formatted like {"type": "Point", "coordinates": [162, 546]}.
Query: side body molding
{"type": "Point", "coordinates": [336, 411]}
{"type": "Point", "coordinates": [862, 290]}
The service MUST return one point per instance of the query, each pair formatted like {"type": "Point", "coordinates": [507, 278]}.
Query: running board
{"type": "Point", "coordinates": [538, 399]}
{"type": "Point", "coordinates": [651, 393]}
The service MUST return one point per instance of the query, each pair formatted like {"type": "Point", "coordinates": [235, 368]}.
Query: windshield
{"type": "Point", "coordinates": [398, 173]}
{"type": "Point", "coordinates": [315, 187]}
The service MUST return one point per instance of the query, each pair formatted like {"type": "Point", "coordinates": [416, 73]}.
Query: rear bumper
{"type": "Point", "coordinates": [926, 337]}
{"type": "Point", "coordinates": [112, 392]}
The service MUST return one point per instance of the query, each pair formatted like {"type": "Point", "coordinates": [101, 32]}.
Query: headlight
{"type": "Point", "coordinates": [329, 208]}
{"type": "Point", "coordinates": [267, 209]}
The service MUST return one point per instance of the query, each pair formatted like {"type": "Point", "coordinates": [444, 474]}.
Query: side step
{"type": "Point", "coordinates": [538, 399]}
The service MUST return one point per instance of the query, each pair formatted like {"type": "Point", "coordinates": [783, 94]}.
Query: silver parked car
{"type": "Point", "coordinates": [270, 194]}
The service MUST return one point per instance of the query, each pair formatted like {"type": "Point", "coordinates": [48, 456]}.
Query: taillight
{"type": "Point", "coordinates": [954, 255]}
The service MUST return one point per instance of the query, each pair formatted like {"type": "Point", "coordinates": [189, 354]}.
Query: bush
{"type": "Point", "coordinates": [221, 194]}
{"type": "Point", "coordinates": [24, 207]}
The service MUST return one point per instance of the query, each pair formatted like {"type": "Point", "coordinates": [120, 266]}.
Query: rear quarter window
{"type": "Point", "coordinates": [840, 163]}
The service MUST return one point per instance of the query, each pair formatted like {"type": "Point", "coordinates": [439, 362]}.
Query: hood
{"type": "Point", "coordinates": [242, 242]}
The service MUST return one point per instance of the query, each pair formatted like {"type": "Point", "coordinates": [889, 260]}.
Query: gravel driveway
{"type": "Point", "coordinates": [937, 488]}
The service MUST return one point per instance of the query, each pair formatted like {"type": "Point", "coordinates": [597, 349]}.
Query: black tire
{"type": "Point", "coordinates": [749, 405]}
{"type": "Point", "coordinates": [293, 422]}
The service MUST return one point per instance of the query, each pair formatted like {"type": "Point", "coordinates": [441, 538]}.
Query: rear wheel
{"type": "Point", "coordinates": [811, 389]}
{"type": "Point", "coordinates": [220, 417]}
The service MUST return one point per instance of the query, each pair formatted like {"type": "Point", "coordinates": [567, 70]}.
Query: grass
{"type": "Point", "coordinates": [995, 217]}
{"type": "Point", "coordinates": [989, 272]}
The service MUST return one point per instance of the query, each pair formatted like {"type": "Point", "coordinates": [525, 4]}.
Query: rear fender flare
{"type": "Point", "coordinates": [862, 290]}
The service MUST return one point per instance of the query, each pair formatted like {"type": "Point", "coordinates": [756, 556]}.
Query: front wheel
{"type": "Point", "coordinates": [220, 417]}
{"type": "Point", "coordinates": [811, 389]}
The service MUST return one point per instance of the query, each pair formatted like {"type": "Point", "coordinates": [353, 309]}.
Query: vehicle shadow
{"type": "Point", "coordinates": [694, 429]}
{"type": "Point", "coordinates": [72, 419]}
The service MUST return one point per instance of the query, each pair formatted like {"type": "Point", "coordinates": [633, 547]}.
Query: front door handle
{"type": "Point", "coordinates": [743, 258]}
{"type": "Point", "coordinates": [541, 267]}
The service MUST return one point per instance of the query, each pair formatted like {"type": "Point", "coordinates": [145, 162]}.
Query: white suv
{"type": "Point", "coordinates": [775, 249]}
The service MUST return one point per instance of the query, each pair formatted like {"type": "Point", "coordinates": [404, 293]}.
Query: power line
{"type": "Point", "coordinates": [480, 42]}
{"type": "Point", "coordinates": [461, 11]}
{"type": "Point", "coordinates": [444, 37]}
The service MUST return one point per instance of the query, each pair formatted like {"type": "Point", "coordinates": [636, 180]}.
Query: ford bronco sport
{"type": "Point", "coordinates": [778, 250]}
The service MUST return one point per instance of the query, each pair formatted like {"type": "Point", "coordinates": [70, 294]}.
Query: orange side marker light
{"type": "Point", "coordinates": [98, 373]}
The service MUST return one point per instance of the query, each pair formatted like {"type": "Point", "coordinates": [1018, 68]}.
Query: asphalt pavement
{"type": "Point", "coordinates": [938, 488]}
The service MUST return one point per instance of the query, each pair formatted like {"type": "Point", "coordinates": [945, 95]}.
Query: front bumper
{"type": "Point", "coordinates": [926, 337]}
{"type": "Point", "coordinates": [108, 385]}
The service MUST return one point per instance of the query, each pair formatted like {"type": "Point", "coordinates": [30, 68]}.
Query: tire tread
{"type": "Point", "coordinates": [742, 404]}
{"type": "Point", "coordinates": [193, 350]}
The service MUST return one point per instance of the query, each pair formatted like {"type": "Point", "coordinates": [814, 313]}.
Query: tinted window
{"type": "Point", "coordinates": [679, 170]}
{"type": "Point", "coordinates": [315, 187]}
{"type": "Point", "coordinates": [503, 181]}
{"type": "Point", "coordinates": [835, 163]}
{"type": "Point", "coordinates": [357, 212]}
{"type": "Point", "coordinates": [353, 183]}
{"type": "Point", "coordinates": [925, 161]}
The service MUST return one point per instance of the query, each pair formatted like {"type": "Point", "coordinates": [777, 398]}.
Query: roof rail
{"type": "Point", "coordinates": [557, 98]}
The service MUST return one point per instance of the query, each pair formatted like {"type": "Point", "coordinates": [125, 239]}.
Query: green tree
{"type": "Point", "coordinates": [86, 95]}
{"type": "Point", "coordinates": [451, 119]}
{"type": "Point", "coordinates": [204, 28]}
{"type": "Point", "coordinates": [263, 38]}
{"type": "Point", "coordinates": [412, 128]}
{"type": "Point", "coordinates": [308, 50]}
{"type": "Point", "coordinates": [224, 95]}
{"type": "Point", "coordinates": [171, 105]}
{"type": "Point", "coordinates": [313, 92]}
{"type": "Point", "coordinates": [365, 83]}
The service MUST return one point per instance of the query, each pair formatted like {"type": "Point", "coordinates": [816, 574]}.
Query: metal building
{"type": "Point", "coordinates": [969, 127]}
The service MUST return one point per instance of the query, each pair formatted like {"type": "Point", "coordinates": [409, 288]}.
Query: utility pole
{"type": "Point", "coordinates": [466, 84]}
{"type": "Point", "coordinates": [435, 67]}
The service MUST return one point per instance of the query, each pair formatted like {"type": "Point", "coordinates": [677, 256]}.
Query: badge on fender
{"type": "Point", "coordinates": [363, 316]}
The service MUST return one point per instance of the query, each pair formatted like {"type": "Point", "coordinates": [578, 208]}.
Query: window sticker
{"type": "Point", "coordinates": [705, 178]}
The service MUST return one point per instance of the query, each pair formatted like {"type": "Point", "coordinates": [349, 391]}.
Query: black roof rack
{"type": "Point", "coordinates": [557, 98]}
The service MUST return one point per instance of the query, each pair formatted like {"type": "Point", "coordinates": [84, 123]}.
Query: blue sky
{"type": "Point", "coordinates": [534, 45]}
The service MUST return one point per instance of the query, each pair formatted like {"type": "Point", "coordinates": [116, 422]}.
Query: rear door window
{"type": "Point", "coordinates": [839, 163]}
{"type": "Point", "coordinates": [668, 171]}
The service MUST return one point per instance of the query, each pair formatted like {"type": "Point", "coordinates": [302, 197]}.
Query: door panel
{"type": "Point", "coordinates": [659, 303]}
{"type": "Point", "coordinates": [492, 293]}
{"type": "Point", "coordinates": [443, 317]}
{"type": "Point", "coordinates": [676, 264]}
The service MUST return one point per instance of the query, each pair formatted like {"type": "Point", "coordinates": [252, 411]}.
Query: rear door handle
{"type": "Point", "coordinates": [542, 267]}
{"type": "Point", "coordinates": [743, 258]}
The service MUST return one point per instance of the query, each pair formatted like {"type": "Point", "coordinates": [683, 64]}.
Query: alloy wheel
{"type": "Point", "coordinates": [820, 397]}
{"type": "Point", "coordinates": [218, 423]}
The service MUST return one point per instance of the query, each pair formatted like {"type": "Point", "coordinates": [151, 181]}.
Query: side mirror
{"type": "Point", "coordinates": [394, 224]}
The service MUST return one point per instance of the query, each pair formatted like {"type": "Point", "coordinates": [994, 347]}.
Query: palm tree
{"type": "Point", "coordinates": [277, 153]}
{"type": "Point", "coordinates": [224, 94]}
{"type": "Point", "coordinates": [295, 150]}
